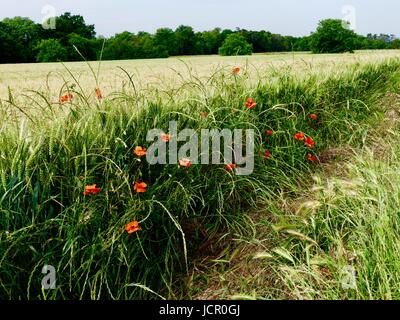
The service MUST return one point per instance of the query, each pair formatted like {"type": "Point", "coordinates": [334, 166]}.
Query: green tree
{"type": "Point", "coordinates": [165, 40]}
{"type": "Point", "coordinates": [223, 35]}
{"type": "Point", "coordinates": [86, 47]}
{"type": "Point", "coordinates": [333, 36]}
{"type": "Point", "coordinates": [235, 45]}
{"type": "Point", "coordinates": [120, 47]}
{"type": "Point", "coordinates": [51, 50]}
{"type": "Point", "coordinates": [8, 46]}
{"type": "Point", "coordinates": [281, 43]}
{"type": "Point", "coordinates": [395, 44]}
{"type": "Point", "coordinates": [209, 41]}
{"type": "Point", "coordinates": [260, 40]}
{"type": "Point", "coordinates": [149, 49]}
{"type": "Point", "coordinates": [302, 44]}
{"type": "Point", "coordinates": [26, 34]}
{"type": "Point", "coordinates": [185, 40]}
{"type": "Point", "coordinates": [67, 24]}
{"type": "Point", "coordinates": [126, 45]}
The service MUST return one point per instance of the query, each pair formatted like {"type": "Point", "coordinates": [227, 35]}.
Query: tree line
{"type": "Point", "coordinates": [22, 41]}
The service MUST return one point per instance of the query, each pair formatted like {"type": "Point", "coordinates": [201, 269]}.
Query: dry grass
{"type": "Point", "coordinates": [166, 73]}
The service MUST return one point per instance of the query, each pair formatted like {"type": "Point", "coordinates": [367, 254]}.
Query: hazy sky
{"type": "Point", "coordinates": [289, 17]}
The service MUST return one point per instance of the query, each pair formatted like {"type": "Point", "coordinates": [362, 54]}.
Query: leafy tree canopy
{"type": "Point", "coordinates": [333, 36]}
{"type": "Point", "coordinates": [235, 45]}
{"type": "Point", "coordinates": [67, 24]}
{"type": "Point", "coordinates": [51, 50]}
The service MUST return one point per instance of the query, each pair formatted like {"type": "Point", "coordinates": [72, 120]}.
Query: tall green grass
{"type": "Point", "coordinates": [46, 160]}
{"type": "Point", "coordinates": [343, 243]}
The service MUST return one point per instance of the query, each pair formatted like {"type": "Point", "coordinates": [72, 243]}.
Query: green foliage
{"type": "Point", "coordinates": [261, 41]}
{"type": "Point", "coordinates": [67, 24]}
{"type": "Point", "coordinates": [127, 45]}
{"type": "Point", "coordinates": [87, 48]}
{"type": "Point", "coordinates": [332, 36]}
{"type": "Point", "coordinates": [51, 50]}
{"type": "Point", "coordinates": [8, 47]}
{"type": "Point", "coordinates": [303, 44]}
{"type": "Point", "coordinates": [25, 34]}
{"type": "Point", "coordinates": [20, 36]}
{"type": "Point", "coordinates": [185, 40]}
{"type": "Point", "coordinates": [208, 42]}
{"type": "Point", "coordinates": [395, 44]}
{"type": "Point", "coordinates": [235, 45]}
{"type": "Point", "coordinates": [122, 45]}
{"type": "Point", "coordinates": [166, 41]}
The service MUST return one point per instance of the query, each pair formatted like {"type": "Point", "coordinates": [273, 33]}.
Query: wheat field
{"type": "Point", "coordinates": [165, 74]}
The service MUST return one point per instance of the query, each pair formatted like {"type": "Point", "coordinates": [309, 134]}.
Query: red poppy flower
{"type": "Point", "coordinates": [311, 157]}
{"type": "Point", "coordinates": [269, 133]}
{"type": "Point", "coordinates": [165, 137]}
{"type": "Point", "coordinates": [250, 103]}
{"type": "Point", "coordinates": [132, 227]}
{"type": "Point", "coordinates": [299, 136]}
{"type": "Point", "coordinates": [236, 70]}
{"type": "Point", "coordinates": [230, 166]}
{"type": "Point", "coordinates": [140, 151]}
{"type": "Point", "coordinates": [313, 116]}
{"type": "Point", "coordinates": [99, 95]}
{"type": "Point", "coordinates": [309, 142]}
{"type": "Point", "coordinates": [91, 189]}
{"type": "Point", "coordinates": [140, 187]}
{"type": "Point", "coordinates": [267, 154]}
{"type": "Point", "coordinates": [66, 98]}
{"type": "Point", "coordinates": [185, 163]}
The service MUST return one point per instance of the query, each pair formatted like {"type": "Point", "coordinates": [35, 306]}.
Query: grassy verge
{"type": "Point", "coordinates": [46, 161]}
{"type": "Point", "coordinates": [336, 237]}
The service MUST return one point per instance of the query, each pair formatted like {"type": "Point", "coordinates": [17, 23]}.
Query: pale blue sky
{"type": "Point", "coordinates": [289, 17]}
